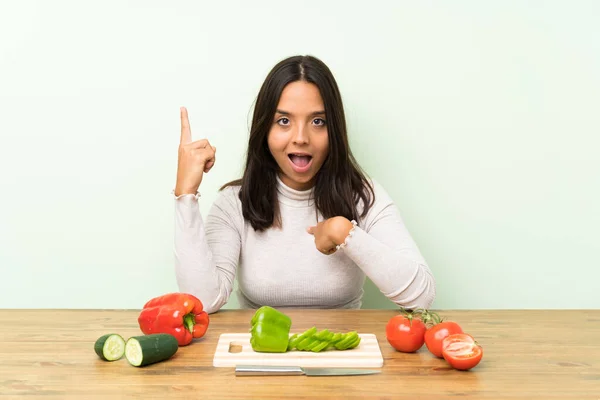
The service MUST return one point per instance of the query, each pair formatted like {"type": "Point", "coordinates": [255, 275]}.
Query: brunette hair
{"type": "Point", "coordinates": [339, 185]}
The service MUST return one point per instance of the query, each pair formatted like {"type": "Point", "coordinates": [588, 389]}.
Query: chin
{"type": "Point", "coordinates": [300, 180]}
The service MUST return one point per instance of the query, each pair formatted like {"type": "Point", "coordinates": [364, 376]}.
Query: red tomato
{"type": "Point", "coordinates": [405, 334]}
{"type": "Point", "coordinates": [461, 351]}
{"type": "Point", "coordinates": [436, 334]}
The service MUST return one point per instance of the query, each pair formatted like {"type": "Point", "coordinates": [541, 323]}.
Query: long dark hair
{"type": "Point", "coordinates": [339, 185]}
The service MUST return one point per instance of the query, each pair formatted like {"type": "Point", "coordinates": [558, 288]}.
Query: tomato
{"type": "Point", "coordinates": [405, 334]}
{"type": "Point", "coordinates": [436, 334]}
{"type": "Point", "coordinates": [461, 351]}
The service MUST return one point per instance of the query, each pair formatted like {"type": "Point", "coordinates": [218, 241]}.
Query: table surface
{"type": "Point", "coordinates": [549, 354]}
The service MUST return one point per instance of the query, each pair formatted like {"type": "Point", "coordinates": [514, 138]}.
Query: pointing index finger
{"type": "Point", "coordinates": [186, 133]}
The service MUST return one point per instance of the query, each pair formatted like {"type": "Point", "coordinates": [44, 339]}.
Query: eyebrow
{"type": "Point", "coordinates": [282, 112]}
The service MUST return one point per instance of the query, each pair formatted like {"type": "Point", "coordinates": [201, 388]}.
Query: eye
{"type": "Point", "coordinates": [283, 121]}
{"type": "Point", "coordinates": [319, 122]}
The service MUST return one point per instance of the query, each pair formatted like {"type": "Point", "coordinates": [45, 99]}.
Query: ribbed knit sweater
{"type": "Point", "coordinates": [283, 268]}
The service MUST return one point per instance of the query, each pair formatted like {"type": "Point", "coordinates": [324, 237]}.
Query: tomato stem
{"type": "Point", "coordinates": [428, 317]}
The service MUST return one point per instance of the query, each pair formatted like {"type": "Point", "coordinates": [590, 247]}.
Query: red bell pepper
{"type": "Point", "coordinates": [179, 314]}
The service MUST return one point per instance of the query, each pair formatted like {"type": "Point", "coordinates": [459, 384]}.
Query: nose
{"type": "Point", "coordinates": [300, 135]}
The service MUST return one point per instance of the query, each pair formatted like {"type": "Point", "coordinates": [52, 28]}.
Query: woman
{"type": "Point", "coordinates": [303, 226]}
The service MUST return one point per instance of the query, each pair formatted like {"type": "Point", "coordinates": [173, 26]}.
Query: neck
{"type": "Point", "coordinates": [291, 196]}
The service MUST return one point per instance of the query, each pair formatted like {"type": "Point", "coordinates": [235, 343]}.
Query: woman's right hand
{"type": "Point", "coordinates": [195, 158]}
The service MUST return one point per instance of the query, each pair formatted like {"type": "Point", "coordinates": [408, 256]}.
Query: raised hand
{"type": "Point", "coordinates": [195, 158]}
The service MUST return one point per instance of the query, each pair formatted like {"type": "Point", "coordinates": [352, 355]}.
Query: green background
{"type": "Point", "coordinates": [479, 118]}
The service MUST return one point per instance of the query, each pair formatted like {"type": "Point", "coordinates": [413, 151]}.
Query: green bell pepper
{"type": "Point", "coordinates": [270, 330]}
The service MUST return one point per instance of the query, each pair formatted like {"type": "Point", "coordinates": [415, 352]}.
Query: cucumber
{"type": "Point", "coordinates": [110, 347]}
{"type": "Point", "coordinates": [149, 349]}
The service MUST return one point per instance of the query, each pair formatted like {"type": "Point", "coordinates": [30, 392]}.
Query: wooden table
{"type": "Point", "coordinates": [527, 354]}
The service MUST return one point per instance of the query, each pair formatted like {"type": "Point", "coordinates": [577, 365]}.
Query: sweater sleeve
{"type": "Point", "coordinates": [384, 249]}
{"type": "Point", "coordinates": [206, 255]}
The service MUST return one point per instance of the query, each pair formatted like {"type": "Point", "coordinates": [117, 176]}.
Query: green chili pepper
{"type": "Point", "coordinates": [270, 330]}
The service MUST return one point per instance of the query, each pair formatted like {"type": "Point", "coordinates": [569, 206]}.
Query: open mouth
{"type": "Point", "coordinates": [300, 161]}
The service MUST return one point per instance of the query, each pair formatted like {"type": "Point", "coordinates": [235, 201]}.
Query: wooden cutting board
{"type": "Point", "coordinates": [366, 354]}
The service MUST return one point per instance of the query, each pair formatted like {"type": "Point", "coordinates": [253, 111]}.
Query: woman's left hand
{"type": "Point", "coordinates": [329, 233]}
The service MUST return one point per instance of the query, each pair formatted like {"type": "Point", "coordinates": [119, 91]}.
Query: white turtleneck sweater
{"type": "Point", "coordinates": [283, 268]}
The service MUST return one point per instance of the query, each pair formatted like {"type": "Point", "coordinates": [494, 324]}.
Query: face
{"type": "Point", "coordinates": [298, 137]}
